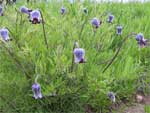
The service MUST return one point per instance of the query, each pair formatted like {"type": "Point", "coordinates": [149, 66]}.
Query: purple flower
{"type": "Point", "coordinates": [95, 22]}
{"type": "Point", "coordinates": [140, 39]}
{"type": "Point", "coordinates": [36, 88]}
{"type": "Point", "coordinates": [112, 96]}
{"type": "Point", "coordinates": [25, 10]}
{"type": "Point", "coordinates": [35, 17]}
{"type": "Point", "coordinates": [110, 18]}
{"type": "Point", "coordinates": [1, 11]}
{"type": "Point", "coordinates": [119, 30]}
{"type": "Point", "coordinates": [4, 34]}
{"type": "Point", "coordinates": [63, 10]}
{"type": "Point", "coordinates": [79, 54]}
{"type": "Point", "coordinates": [142, 43]}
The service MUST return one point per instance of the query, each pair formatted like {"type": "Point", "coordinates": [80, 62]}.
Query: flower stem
{"type": "Point", "coordinates": [44, 33]}
{"type": "Point", "coordinates": [37, 76]}
{"type": "Point", "coordinates": [82, 28]}
{"type": "Point", "coordinates": [74, 46]}
{"type": "Point", "coordinates": [117, 52]}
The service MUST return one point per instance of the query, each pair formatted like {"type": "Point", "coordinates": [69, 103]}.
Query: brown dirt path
{"type": "Point", "coordinates": [137, 107]}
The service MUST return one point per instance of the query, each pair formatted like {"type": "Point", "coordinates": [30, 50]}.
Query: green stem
{"type": "Point", "coordinates": [118, 50]}
{"type": "Point", "coordinates": [44, 32]}
{"type": "Point", "coordinates": [72, 65]}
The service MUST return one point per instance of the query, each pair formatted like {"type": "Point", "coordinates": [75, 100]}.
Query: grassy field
{"type": "Point", "coordinates": [67, 87]}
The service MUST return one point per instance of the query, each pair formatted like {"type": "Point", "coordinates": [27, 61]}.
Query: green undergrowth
{"type": "Point", "coordinates": [87, 86]}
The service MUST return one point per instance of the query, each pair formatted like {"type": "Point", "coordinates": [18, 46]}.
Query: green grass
{"type": "Point", "coordinates": [86, 84]}
{"type": "Point", "coordinates": [147, 108]}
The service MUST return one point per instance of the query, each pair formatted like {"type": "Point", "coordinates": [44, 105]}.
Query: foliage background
{"type": "Point", "coordinates": [86, 85]}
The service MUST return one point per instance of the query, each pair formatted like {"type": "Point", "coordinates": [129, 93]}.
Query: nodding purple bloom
{"type": "Point", "coordinates": [140, 39]}
{"type": "Point", "coordinates": [1, 11]}
{"type": "Point", "coordinates": [63, 10]}
{"type": "Point", "coordinates": [25, 10]}
{"type": "Point", "coordinates": [36, 88]}
{"type": "Point", "coordinates": [35, 17]}
{"type": "Point", "coordinates": [4, 34]}
{"type": "Point", "coordinates": [110, 18]}
{"type": "Point", "coordinates": [112, 96]}
{"type": "Point", "coordinates": [85, 10]}
{"type": "Point", "coordinates": [95, 22]}
{"type": "Point", "coordinates": [79, 54]}
{"type": "Point", "coordinates": [119, 30]}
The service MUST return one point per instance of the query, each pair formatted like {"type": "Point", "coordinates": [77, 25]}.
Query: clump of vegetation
{"type": "Point", "coordinates": [72, 57]}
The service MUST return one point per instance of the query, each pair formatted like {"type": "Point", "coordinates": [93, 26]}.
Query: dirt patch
{"type": "Point", "coordinates": [136, 107]}
{"type": "Point", "coordinates": [147, 100]}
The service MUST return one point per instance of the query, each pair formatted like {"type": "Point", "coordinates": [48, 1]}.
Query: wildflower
{"type": "Point", "coordinates": [63, 10]}
{"type": "Point", "coordinates": [35, 17]}
{"type": "Point", "coordinates": [85, 10]}
{"type": "Point", "coordinates": [79, 54]}
{"type": "Point", "coordinates": [112, 97]}
{"type": "Point", "coordinates": [119, 30]}
{"type": "Point", "coordinates": [36, 88]}
{"type": "Point", "coordinates": [25, 10]}
{"type": "Point", "coordinates": [1, 11]}
{"type": "Point", "coordinates": [142, 43]}
{"type": "Point", "coordinates": [140, 39]}
{"type": "Point", "coordinates": [95, 22]}
{"type": "Point", "coordinates": [4, 34]}
{"type": "Point", "coordinates": [110, 18]}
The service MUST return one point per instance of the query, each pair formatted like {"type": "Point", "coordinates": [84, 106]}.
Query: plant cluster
{"type": "Point", "coordinates": [45, 70]}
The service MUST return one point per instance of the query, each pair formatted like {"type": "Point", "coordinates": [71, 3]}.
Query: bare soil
{"type": "Point", "coordinates": [137, 107]}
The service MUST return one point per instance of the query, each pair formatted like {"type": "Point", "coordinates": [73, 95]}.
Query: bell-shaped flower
{"type": "Point", "coordinates": [119, 30]}
{"type": "Point", "coordinates": [139, 37]}
{"type": "Point", "coordinates": [25, 10]}
{"type": "Point", "coordinates": [79, 55]}
{"type": "Point", "coordinates": [36, 88]}
{"type": "Point", "coordinates": [95, 22]}
{"type": "Point", "coordinates": [4, 34]}
{"type": "Point", "coordinates": [35, 17]}
{"type": "Point", "coordinates": [140, 40]}
{"type": "Point", "coordinates": [110, 18]}
{"type": "Point", "coordinates": [63, 10]}
{"type": "Point", "coordinates": [112, 96]}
